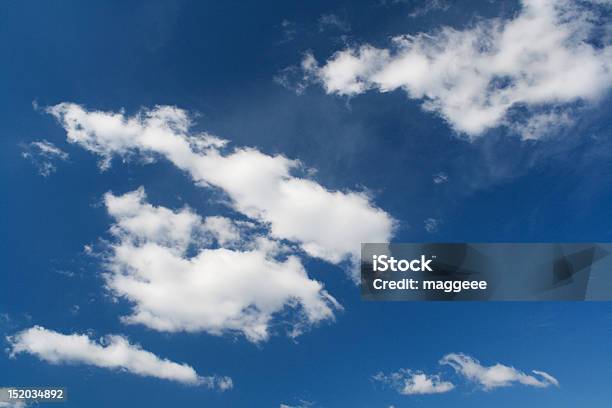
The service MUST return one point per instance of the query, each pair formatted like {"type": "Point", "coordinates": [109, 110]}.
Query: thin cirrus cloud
{"type": "Point", "coordinates": [326, 224]}
{"type": "Point", "coordinates": [44, 155]}
{"type": "Point", "coordinates": [497, 375]}
{"type": "Point", "coordinates": [542, 60]}
{"type": "Point", "coordinates": [112, 352]}
{"type": "Point", "coordinates": [234, 279]}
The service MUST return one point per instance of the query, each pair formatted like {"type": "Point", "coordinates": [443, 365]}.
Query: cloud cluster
{"type": "Point", "coordinates": [185, 273]}
{"type": "Point", "coordinates": [409, 382]}
{"type": "Point", "coordinates": [326, 224]}
{"type": "Point", "coordinates": [113, 352]}
{"type": "Point", "coordinates": [497, 375]}
{"type": "Point", "coordinates": [477, 78]}
{"type": "Point", "coordinates": [182, 272]}
{"type": "Point", "coordinates": [44, 155]}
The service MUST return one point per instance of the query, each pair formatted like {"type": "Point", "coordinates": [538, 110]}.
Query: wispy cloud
{"type": "Point", "coordinates": [113, 352]}
{"type": "Point", "coordinates": [333, 21]}
{"type": "Point", "coordinates": [428, 7]}
{"type": "Point", "coordinates": [43, 155]}
{"type": "Point", "coordinates": [299, 404]}
{"type": "Point", "coordinates": [289, 31]}
{"type": "Point", "coordinates": [432, 224]}
{"type": "Point", "coordinates": [440, 178]}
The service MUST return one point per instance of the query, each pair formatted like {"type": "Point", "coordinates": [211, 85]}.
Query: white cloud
{"type": "Point", "coordinates": [43, 155]}
{"type": "Point", "coordinates": [223, 229]}
{"type": "Point", "coordinates": [497, 375]}
{"type": "Point", "coordinates": [113, 351]}
{"type": "Point", "coordinates": [408, 382]}
{"type": "Point", "coordinates": [474, 78]}
{"type": "Point", "coordinates": [326, 224]}
{"type": "Point", "coordinates": [142, 222]}
{"type": "Point", "coordinates": [164, 263]}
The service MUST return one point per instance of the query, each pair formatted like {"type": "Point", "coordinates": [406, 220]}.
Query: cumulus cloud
{"type": "Point", "coordinates": [497, 375]}
{"type": "Point", "coordinates": [113, 352]}
{"type": "Point", "coordinates": [167, 265]}
{"type": "Point", "coordinates": [325, 224]}
{"type": "Point", "coordinates": [408, 382]}
{"type": "Point", "coordinates": [44, 155]}
{"type": "Point", "coordinates": [541, 60]}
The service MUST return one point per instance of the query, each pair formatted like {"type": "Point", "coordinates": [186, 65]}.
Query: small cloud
{"type": "Point", "coordinates": [289, 31]}
{"type": "Point", "coordinates": [408, 382]}
{"type": "Point", "coordinates": [43, 155]}
{"type": "Point", "coordinates": [430, 6]}
{"type": "Point", "coordinates": [296, 78]}
{"type": "Point", "coordinates": [299, 404]}
{"type": "Point", "coordinates": [291, 78]}
{"type": "Point", "coordinates": [440, 178]}
{"type": "Point", "coordinates": [497, 375]}
{"type": "Point", "coordinates": [223, 383]}
{"type": "Point", "coordinates": [66, 273]}
{"type": "Point", "coordinates": [332, 21]}
{"type": "Point", "coordinates": [432, 225]}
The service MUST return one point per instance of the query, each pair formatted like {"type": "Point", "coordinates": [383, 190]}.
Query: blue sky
{"type": "Point", "coordinates": [235, 69]}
